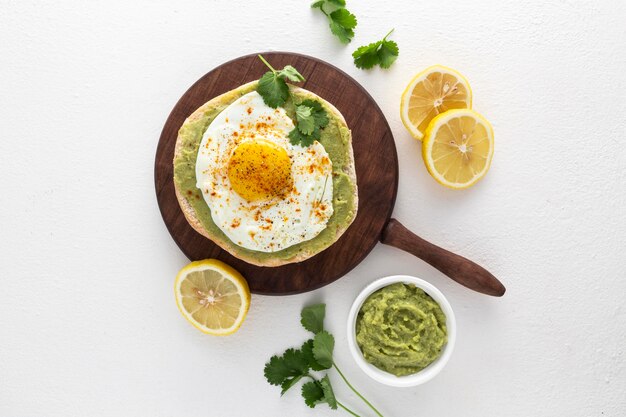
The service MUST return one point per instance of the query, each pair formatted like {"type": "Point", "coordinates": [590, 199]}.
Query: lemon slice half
{"type": "Point", "coordinates": [430, 93]}
{"type": "Point", "coordinates": [212, 296]}
{"type": "Point", "coordinates": [458, 148]}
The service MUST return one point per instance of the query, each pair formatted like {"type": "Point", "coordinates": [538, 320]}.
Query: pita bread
{"type": "Point", "coordinates": [306, 251]}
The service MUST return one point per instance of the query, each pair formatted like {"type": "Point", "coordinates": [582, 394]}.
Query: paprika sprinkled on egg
{"type": "Point", "coordinates": [264, 192]}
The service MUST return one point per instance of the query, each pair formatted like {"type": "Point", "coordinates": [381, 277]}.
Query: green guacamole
{"type": "Point", "coordinates": [401, 329]}
{"type": "Point", "coordinates": [335, 138]}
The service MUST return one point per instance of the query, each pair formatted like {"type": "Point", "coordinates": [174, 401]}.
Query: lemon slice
{"type": "Point", "coordinates": [212, 296]}
{"type": "Point", "coordinates": [430, 93]}
{"type": "Point", "coordinates": [458, 147]}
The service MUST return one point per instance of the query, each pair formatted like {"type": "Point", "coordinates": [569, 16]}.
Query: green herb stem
{"type": "Point", "coordinates": [355, 391]}
{"type": "Point", "coordinates": [347, 409]}
{"type": "Point", "coordinates": [390, 32]}
{"type": "Point", "coordinates": [268, 64]}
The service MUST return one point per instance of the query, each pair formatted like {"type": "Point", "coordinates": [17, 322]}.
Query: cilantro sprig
{"type": "Point", "coordinates": [273, 85]}
{"type": "Point", "coordinates": [315, 355]}
{"type": "Point", "coordinates": [311, 118]}
{"type": "Point", "coordinates": [384, 53]}
{"type": "Point", "coordinates": [340, 20]}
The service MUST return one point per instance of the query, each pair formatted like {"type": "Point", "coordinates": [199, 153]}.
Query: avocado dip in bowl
{"type": "Point", "coordinates": [401, 330]}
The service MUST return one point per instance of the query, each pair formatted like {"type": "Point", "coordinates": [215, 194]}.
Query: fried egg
{"type": "Point", "coordinates": [264, 193]}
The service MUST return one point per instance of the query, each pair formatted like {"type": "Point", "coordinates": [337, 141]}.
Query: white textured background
{"type": "Point", "coordinates": [88, 324]}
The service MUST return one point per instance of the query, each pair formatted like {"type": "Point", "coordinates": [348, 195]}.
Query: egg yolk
{"type": "Point", "coordinates": [260, 170]}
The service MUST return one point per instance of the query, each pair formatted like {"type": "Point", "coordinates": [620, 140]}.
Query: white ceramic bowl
{"type": "Point", "coordinates": [425, 374]}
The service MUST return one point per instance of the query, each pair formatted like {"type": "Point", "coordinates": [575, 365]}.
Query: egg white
{"type": "Point", "coordinates": [265, 226]}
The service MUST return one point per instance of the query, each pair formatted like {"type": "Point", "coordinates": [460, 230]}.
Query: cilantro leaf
{"type": "Point", "coordinates": [307, 351]}
{"type": "Point", "coordinates": [312, 317]}
{"type": "Point", "coordinates": [321, 118]}
{"type": "Point", "coordinates": [344, 18]}
{"type": "Point", "coordinates": [312, 393]}
{"type": "Point", "coordinates": [318, 392]}
{"type": "Point", "coordinates": [273, 89]}
{"type": "Point", "coordinates": [323, 345]}
{"type": "Point", "coordinates": [287, 369]}
{"type": "Point", "coordinates": [329, 395]}
{"type": "Point", "coordinates": [311, 118]}
{"type": "Point", "coordinates": [276, 371]}
{"type": "Point", "coordinates": [291, 73]}
{"type": "Point", "coordinates": [306, 121]}
{"type": "Point", "coordinates": [272, 85]}
{"type": "Point", "coordinates": [387, 53]}
{"type": "Point", "coordinates": [298, 138]}
{"type": "Point", "coordinates": [342, 24]}
{"type": "Point", "coordinates": [295, 361]}
{"type": "Point", "coordinates": [383, 53]}
{"type": "Point", "coordinates": [340, 20]}
{"type": "Point", "coordinates": [365, 57]}
{"type": "Point", "coordinates": [288, 383]}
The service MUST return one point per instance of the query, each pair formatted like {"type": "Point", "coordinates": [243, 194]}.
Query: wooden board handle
{"type": "Point", "coordinates": [460, 269]}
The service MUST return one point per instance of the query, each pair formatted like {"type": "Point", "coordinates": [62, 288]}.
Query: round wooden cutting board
{"type": "Point", "coordinates": [376, 170]}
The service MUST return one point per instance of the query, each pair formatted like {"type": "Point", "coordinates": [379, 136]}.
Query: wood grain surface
{"type": "Point", "coordinates": [376, 168]}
